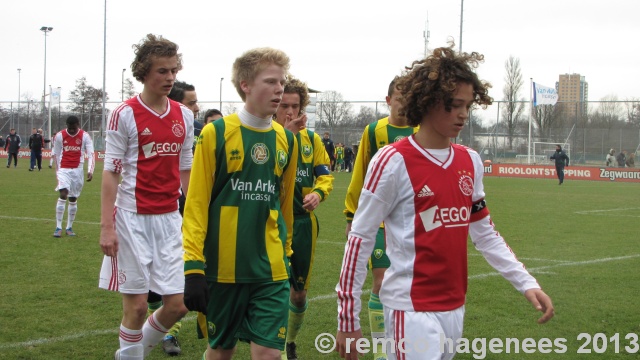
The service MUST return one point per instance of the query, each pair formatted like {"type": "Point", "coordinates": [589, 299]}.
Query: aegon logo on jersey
{"type": "Point", "coordinates": [161, 149]}
{"type": "Point", "coordinates": [71, 148]}
{"type": "Point", "coordinates": [434, 217]}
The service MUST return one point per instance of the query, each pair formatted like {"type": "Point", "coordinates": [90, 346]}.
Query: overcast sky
{"type": "Point", "coordinates": [353, 47]}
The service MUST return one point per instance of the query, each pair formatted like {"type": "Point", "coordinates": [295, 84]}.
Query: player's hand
{"type": "Point", "coordinates": [297, 124]}
{"type": "Point", "coordinates": [196, 293]}
{"type": "Point", "coordinates": [542, 302]}
{"type": "Point", "coordinates": [347, 230]}
{"type": "Point", "coordinates": [89, 176]}
{"type": "Point", "coordinates": [109, 241]}
{"type": "Point", "coordinates": [350, 353]}
{"type": "Point", "coordinates": [311, 201]}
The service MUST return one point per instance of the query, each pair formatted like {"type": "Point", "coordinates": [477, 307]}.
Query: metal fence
{"type": "Point", "coordinates": [591, 128]}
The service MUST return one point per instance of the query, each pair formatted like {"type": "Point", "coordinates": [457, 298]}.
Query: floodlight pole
{"type": "Point", "coordinates": [221, 93]}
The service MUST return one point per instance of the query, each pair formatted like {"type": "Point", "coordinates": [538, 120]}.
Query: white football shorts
{"type": "Point", "coordinates": [149, 255]}
{"type": "Point", "coordinates": [70, 179]}
{"type": "Point", "coordinates": [422, 335]}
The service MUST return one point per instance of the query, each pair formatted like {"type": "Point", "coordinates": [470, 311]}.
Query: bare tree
{"type": "Point", "coordinates": [128, 90]}
{"type": "Point", "coordinates": [87, 101]}
{"type": "Point", "coordinates": [513, 107]}
{"type": "Point", "coordinates": [632, 108]}
{"type": "Point", "coordinates": [333, 108]}
{"type": "Point", "coordinates": [545, 116]}
{"type": "Point", "coordinates": [366, 116]}
{"type": "Point", "coordinates": [608, 114]}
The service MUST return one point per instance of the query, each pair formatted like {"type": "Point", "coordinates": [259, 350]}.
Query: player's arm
{"type": "Point", "coordinates": [57, 149]}
{"type": "Point", "coordinates": [287, 192]}
{"type": "Point", "coordinates": [376, 202]}
{"type": "Point", "coordinates": [495, 250]}
{"type": "Point", "coordinates": [91, 156]}
{"type": "Point", "coordinates": [323, 184]}
{"type": "Point", "coordinates": [357, 176]}
{"type": "Point", "coordinates": [117, 141]}
{"type": "Point", "coordinates": [186, 154]}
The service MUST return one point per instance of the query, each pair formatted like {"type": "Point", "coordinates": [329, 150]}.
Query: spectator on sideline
{"type": "Point", "coordinates": [631, 160]}
{"type": "Point", "coordinates": [348, 158]}
{"type": "Point", "coordinates": [610, 159]}
{"type": "Point", "coordinates": [36, 143]}
{"type": "Point", "coordinates": [12, 147]}
{"type": "Point", "coordinates": [622, 158]}
{"type": "Point", "coordinates": [409, 183]}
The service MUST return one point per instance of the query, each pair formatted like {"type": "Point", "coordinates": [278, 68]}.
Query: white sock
{"type": "Point", "coordinates": [60, 212]}
{"type": "Point", "coordinates": [72, 209]}
{"type": "Point", "coordinates": [130, 344]}
{"type": "Point", "coordinates": [153, 332]}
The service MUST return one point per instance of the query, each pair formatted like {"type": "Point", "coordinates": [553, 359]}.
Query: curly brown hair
{"type": "Point", "coordinates": [295, 86]}
{"type": "Point", "coordinates": [147, 50]}
{"type": "Point", "coordinates": [248, 65]}
{"type": "Point", "coordinates": [431, 81]}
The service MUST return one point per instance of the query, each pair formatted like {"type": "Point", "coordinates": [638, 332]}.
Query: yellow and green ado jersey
{"type": "Point", "coordinates": [238, 217]}
{"type": "Point", "coordinates": [375, 136]}
{"type": "Point", "coordinates": [339, 152]}
{"type": "Point", "coordinates": [313, 173]}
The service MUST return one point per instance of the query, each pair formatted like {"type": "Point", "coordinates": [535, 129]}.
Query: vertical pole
{"type": "Point", "coordinates": [221, 94]}
{"type": "Point", "coordinates": [530, 118]}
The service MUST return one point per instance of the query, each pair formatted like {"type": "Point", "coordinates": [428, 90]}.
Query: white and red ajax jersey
{"type": "Point", "coordinates": [149, 150]}
{"type": "Point", "coordinates": [429, 206]}
{"type": "Point", "coordinates": [70, 150]}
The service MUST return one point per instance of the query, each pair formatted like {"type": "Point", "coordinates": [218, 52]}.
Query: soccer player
{"type": "Point", "coordinates": [238, 219]}
{"type": "Point", "coordinates": [339, 157]}
{"type": "Point", "coordinates": [212, 115]}
{"type": "Point", "coordinates": [314, 182]}
{"type": "Point", "coordinates": [376, 135]}
{"type": "Point", "coordinates": [70, 146]}
{"type": "Point", "coordinates": [430, 195]}
{"type": "Point", "coordinates": [149, 140]}
{"type": "Point", "coordinates": [186, 95]}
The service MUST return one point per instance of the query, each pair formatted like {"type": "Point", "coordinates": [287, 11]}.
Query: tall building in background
{"type": "Point", "coordinates": [573, 93]}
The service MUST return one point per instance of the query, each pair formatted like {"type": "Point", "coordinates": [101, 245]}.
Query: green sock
{"type": "Point", "coordinates": [376, 323]}
{"type": "Point", "coordinates": [153, 306]}
{"type": "Point", "coordinates": [175, 329]}
{"type": "Point", "coordinates": [296, 317]}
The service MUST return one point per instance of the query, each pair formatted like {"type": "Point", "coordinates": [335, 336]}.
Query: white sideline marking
{"type": "Point", "coordinates": [316, 298]}
{"type": "Point", "coordinates": [41, 219]}
{"type": "Point", "coordinates": [604, 212]}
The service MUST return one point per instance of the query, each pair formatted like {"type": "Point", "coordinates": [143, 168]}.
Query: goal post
{"type": "Point", "coordinates": [543, 150]}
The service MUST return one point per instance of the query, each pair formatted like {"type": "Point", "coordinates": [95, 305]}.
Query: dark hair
{"type": "Point", "coordinates": [433, 80]}
{"type": "Point", "coordinates": [392, 85]}
{"type": "Point", "coordinates": [295, 86]}
{"type": "Point", "coordinates": [212, 112]}
{"type": "Point", "coordinates": [178, 89]}
{"type": "Point", "coordinates": [73, 120]}
{"type": "Point", "coordinates": [560, 146]}
{"type": "Point", "coordinates": [147, 49]}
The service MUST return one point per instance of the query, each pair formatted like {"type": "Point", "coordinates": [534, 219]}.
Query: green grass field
{"type": "Point", "coordinates": [580, 240]}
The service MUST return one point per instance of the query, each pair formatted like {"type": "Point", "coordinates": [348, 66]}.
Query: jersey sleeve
{"type": "Point", "coordinates": [186, 154]}
{"type": "Point", "coordinates": [287, 193]}
{"type": "Point", "coordinates": [377, 200]}
{"type": "Point", "coordinates": [87, 143]}
{"type": "Point", "coordinates": [196, 212]}
{"type": "Point", "coordinates": [117, 140]}
{"type": "Point", "coordinates": [357, 176]}
{"type": "Point", "coordinates": [324, 180]}
{"type": "Point", "coordinates": [489, 242]}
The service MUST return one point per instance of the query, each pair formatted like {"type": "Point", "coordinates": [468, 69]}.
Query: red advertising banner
{"type": "Point", "coordinates": [570, 172]}
{"type": "Point", "coordinates": [46, 154]}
